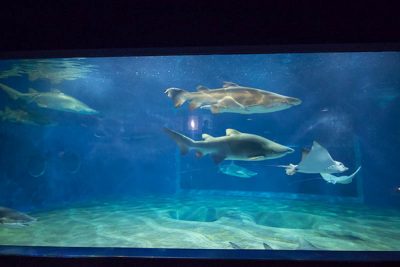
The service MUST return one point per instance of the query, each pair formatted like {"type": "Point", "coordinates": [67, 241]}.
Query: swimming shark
{"type": "Point", "coordinates": [24, 117]}
{"type": "Point", "coordinates": [233, 146]}
{"type": "Point", "coordinates": [234, 170]}
{"type": "Point", "coordinates": [232, 98]}
{"type": "Point", "coordinates": [54, 99]}
{"type": "Point", "coordinates": [317, 160]}
{"type": "Point", "coordinates": [13, 217]}
{"type": "Point", "coordinates": [345, 179]}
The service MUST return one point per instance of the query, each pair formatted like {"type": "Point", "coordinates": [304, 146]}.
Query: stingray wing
{"type": "Point", "coordinates": [348, 179]}
{"type": "Point", "coordinates": [339, 179]}
{"type": "Point", "coordinates": [317, 160]}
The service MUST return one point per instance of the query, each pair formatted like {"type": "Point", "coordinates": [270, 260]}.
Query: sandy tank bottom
{"type": "Point", "coordinates": [215, 222]}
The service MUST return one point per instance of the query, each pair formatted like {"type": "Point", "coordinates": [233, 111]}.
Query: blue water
{"type": "Point", "coordinates": [349, 105]}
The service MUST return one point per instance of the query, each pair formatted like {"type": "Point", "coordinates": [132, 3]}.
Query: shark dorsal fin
{"type": "Point", "coordinates": [202, 88]}
{"type": "Point", "coordinates": [304, 153]}
{"type": "Point", "coordinates": [207, 137]}
{"type": "Point", "coordinates": [31, 90]}
{"type": "Point", "coordinates": [230, 132]}
{"type": "Point", "coordinates": [229, 84]}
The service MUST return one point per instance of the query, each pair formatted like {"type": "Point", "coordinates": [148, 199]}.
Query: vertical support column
{"type": "Point", "coordinates": [359, 179]}
{"type": "Point", "coordinates": [177, 171]}
{"type": "Point", "coordinates": [180, 123]}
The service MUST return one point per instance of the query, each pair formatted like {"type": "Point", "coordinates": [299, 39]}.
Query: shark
{"type": "Point", "coordinates": [12, 217]}
{"type": "Point", "coordinates": [232, 98]}
{"type": "Point", "coordinates": [234, 170]}
{"type": "Point", "coordinates": [55, 100]}
{"type": "Point", "coordinates": [233, 146]}
{"type": "Point", "coordinates": [25, 117]}
{"type": "Point", "coordinates": [317, 160]}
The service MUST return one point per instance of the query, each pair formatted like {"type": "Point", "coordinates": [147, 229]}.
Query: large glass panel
{"type": "Point", "coordinates": [263, 151]}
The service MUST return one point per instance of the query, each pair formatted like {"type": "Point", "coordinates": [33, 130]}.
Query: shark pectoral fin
{"type": "Point", "coordinates": [207, 137]}
{"type": "Point", "coordinates": [194, 104]}
{"type": "Point", "coordinates": [218, 158]}
{"type": "Point", "coordinates": [215, 109]}
{"type": "Point", "coordinates": [256, 158]}
{"type": "Point", "coordinates": [206, 107]}
{"type": "Point", "coordinates": [242, 174]}
{"type": "Point", "coordinates": [42, 105]}
{"type": "Point", "coordinates": [199, 154]}
{"type": "Point", "coordinates": [178, 102]}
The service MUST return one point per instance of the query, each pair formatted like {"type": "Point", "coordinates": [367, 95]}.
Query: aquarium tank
{"type": "Point", "coordinates": [267, 152]}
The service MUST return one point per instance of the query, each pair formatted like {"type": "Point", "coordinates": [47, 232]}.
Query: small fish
{"type": "Point", "coordinates": [234, 170]}
{"type": "Point", "coordinates": [232, 98]}
{"type": "Point", "coordinates": [55, 100]}
{"type": "Point", "coordinates": [13, 217]}
{"type": "Point", "coordinates": [233, 146]}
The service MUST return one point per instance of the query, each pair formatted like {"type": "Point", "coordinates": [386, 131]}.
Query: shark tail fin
{"type": "Point", "coordinates": [179, 96]}
{"type": "Point", "coordinates": [183, 142]}
{"type": "Point", "coordinates": [14, 94]}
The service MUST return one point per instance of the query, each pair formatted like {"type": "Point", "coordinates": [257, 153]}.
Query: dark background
{"type": "Point", "coordinates": [46, 25]}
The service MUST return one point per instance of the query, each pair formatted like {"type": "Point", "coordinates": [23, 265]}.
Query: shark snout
{"type": "Point", "coordinates": [293, 101]}
{"type": "Point", "coordinates": [289, 150]}
{"type": "Point", "coordinates": [91, 111]}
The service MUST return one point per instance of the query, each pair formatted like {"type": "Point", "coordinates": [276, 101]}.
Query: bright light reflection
{"type": "Point", "coordinates": [193, 123]}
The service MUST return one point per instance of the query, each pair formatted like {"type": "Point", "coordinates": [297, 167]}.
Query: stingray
{"type": "Point", "coordinates": [317, 160]}
{"type": "Point", "coordinates": [14, 218]}
{"type": "Point", "coordinates": [302, 244]}
{"type": "Point", "coordinates": [339, 179]}
{"type": "Point", "coordinates": [235, 170]}
{"type": "Point", "coordinates": [235, 246]}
